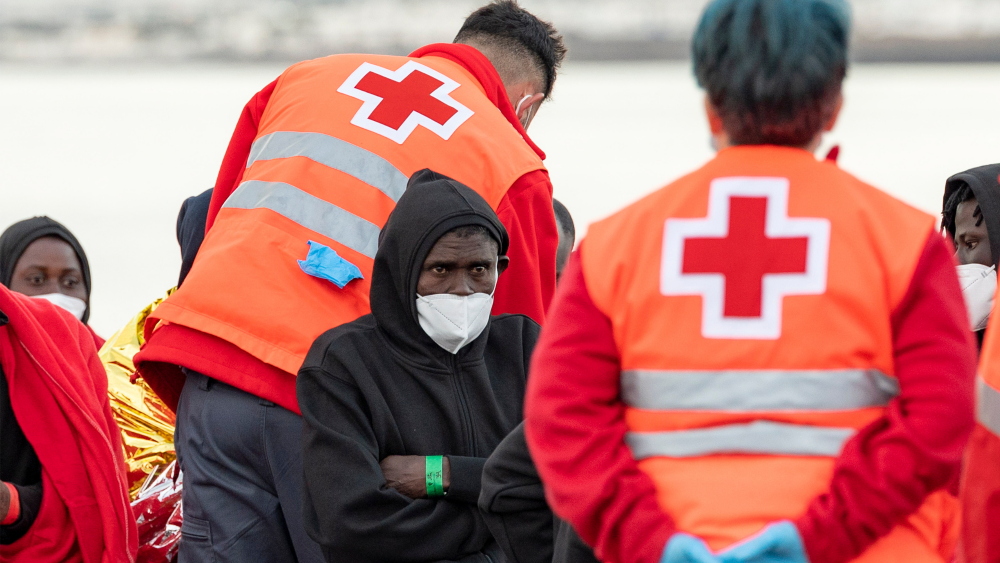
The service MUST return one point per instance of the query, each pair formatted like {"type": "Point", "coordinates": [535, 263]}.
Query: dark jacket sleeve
{"type": "Point", "coordinates": [31, 503]}
{"type": "Point", "coordinates": [466, 478]}
{"type": "Point", "coordinates": [513, 502]}
{"type": "Point", "coordinates": [19, 466]}
{"type": "Point", "coordinates": [348, 509]}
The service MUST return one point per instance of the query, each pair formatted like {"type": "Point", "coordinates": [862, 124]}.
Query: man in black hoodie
{"type": "Point", "coordinates": [403, 406]}
{"type": "Point", "coordinates": [971, 216]}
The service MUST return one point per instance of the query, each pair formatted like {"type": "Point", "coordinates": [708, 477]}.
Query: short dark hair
{"type": "Point", "coordinates": [773, 69]}
{"type": "Point", "coordinates": [506, 25]}
{"type": "Point", "coordinates": [961, 194]}
{"type": "Point", "coordinates": [473, 231]}
{"type": "Point", "coordinates": [564, 219]}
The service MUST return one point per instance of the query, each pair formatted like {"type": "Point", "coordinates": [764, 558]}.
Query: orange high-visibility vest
{"type": "Point", "coordinates": [751, 305]}
{"type": "Point", "coordinates": [981, 473]}
{"type": "Point", "coordinates": [336, 144]}
{"type": "Point", "coordinates": [988, 383]}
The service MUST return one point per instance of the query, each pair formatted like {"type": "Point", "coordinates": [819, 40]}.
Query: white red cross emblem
{"type": "Point", "coordinates": [396, 101]}
{"type": "Point", "coordinates": [745, 257]}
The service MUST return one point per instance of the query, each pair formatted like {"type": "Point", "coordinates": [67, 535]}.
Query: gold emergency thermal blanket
{"type": "Point", "coordinates": [147, 424]}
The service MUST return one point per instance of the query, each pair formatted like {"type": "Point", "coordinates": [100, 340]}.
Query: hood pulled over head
{"type": "Point", "coordinates": [985, 184]}
{"type": "Point", "coordinates": [432, 205]}
{"type": "Point", "coordinates": [16, 239]}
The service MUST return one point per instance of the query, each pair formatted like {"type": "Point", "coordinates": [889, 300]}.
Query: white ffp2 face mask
{"type": "Point", "coordinates": [979, 284]}
{"type": "Point", "coordinates": [76, 306]}
{"type": "Point", "coordinates": [453, 321]}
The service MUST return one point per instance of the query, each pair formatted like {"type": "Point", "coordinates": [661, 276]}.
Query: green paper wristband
{"type": "Point", "coordinates": [434, 468]}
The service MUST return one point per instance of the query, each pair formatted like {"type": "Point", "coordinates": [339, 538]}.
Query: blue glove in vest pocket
{"type": "Point", "coordinates": [323, 262]}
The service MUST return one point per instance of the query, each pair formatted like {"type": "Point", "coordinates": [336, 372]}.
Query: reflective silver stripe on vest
{"type": "Point", "coordinates": [760, 437]}
{"type": "Point", "coordinates": [757, 390]}
{"type": "Point", "coordinates": [988, 406]}
{"type": "Point", "coordinates": [309, 211]}
{"type": "Point", "coordinates": [350, 159]}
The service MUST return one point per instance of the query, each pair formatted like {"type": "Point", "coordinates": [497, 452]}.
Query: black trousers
{"type": "Point", "coordinates": [242, 461]}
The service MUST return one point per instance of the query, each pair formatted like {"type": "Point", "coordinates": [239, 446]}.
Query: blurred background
{"type": "Point", "coordinates": [117, 110]}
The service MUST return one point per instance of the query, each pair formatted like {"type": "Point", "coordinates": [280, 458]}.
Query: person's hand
{"type": "Point", "coordinates": [4, 500]}
{"type": "Point", "coordinates": [408, 474]}
{"type": "Point", "coordinates": [779, 542]}
{"type": "Point", "coordinates": [684, 548]}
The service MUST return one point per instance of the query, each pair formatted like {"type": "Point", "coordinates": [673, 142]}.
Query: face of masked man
{"type": "Point", "coordinates": [972, 241]}
{"type": "Point", "coordinates": [976, 271]}
{"type": "Point", "coordinates": [455, 288]}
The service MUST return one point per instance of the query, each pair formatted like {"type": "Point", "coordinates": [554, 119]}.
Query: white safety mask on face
{"type": "Point", "coordinates": [979, 284]}
{"type": "Point", "coordinates": [453, 321]}
{"type": "Point", "coordinates": [76, 306]}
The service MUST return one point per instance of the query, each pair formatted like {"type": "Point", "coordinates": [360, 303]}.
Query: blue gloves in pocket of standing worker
{"type": "Point", "coordinates": [779, 542]}
{"type": "Point", "coordinates": [684, 548]}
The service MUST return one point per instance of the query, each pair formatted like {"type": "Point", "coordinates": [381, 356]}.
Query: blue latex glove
{"type": "Point", "coordinates": [324, 262]}
{"type": "Point", "coordinates": [779, 542]}
{"type": "Point", "coordinates": [684, 548]}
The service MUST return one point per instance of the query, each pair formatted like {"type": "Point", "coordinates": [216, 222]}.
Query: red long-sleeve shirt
{"type": "Point", "coordinates": [575, 426]}
{"type": "Point", "coordinates": [526, 287]}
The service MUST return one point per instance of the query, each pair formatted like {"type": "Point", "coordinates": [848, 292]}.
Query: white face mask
{"type": "Point", "coordinates": [453, 321]}
{"type": "Point", "coordinates": [76, 306]}
{"type": "Point", "coordinates": [979, 284]}
{"type": "Point", "coordinates": [517, 110]}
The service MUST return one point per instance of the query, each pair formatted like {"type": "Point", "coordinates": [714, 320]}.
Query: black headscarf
{"type": "Point", "coordinates": [191, 229]}
{"type": "Point", "coordinates": [985, 184]}
{"type": "Point", "coordinates": [432, 205]}
{"type": "Point", "coordinates": [17, 237]}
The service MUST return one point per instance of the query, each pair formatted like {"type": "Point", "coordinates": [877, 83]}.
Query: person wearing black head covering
{"type": "Point", "coordinates": [191, 229]}
{"type": "Point", "coordinates": [38, 257]}
{"type": "Point", "coordinates": [970, 215]}
{"type": "Point", "coordinates": [402, 407]}
{"type": "Point", "coordinates": [41, 258]}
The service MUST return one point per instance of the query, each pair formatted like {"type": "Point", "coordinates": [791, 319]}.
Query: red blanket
{"type": "Point", "coordinates": [58, 389]}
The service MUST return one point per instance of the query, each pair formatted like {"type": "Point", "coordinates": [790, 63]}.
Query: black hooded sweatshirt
{"type": "Point", "coordinates": [985, 184]}
{"type": "Point", "coordinates": [514, 506]}
{"type": "Point", "coordinates": [379, 386]}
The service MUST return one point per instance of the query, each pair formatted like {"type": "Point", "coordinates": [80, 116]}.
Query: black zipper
{"type": "Point", "coordinates": [463, 405]}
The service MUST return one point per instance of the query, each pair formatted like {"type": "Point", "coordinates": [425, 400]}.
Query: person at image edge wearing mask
{"type": "Point", "coordinates": [403, 406]}
{"type": "Point", "coordinates": [63, 492]}
{"type": "Point", "coordinates": [316, 164]}
{"type": "Point", "coordinates": [766, 361]}
{"type": "Point", "coordinates": [41, 258]}
{"type": "Point", "coordinates": [972, 218]}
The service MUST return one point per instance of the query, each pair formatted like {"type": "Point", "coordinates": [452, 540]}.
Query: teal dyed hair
{"type": "Point", "coordinates": [772, 68]}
